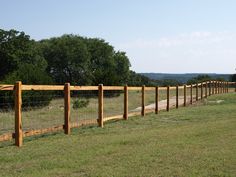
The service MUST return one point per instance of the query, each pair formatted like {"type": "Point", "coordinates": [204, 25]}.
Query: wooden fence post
{"type": "Point", "coordinates": [156, 99]}
{"type": "Point", "coordinates": [191, 94]}
{"type": "Point", "coordinates": [227, 87]}
{"type": "Point", "coordinates": [126, 102]}
{"type": "Point", "coordinates": [209, 86]}
{"type": "Point", "coordinates": [100, 105]}
{"type": "Point", "coordinates": [67, 108]}
{"type": "Point", "coordinates": [212, 88]}
{"type": "Point", "coordinates": [196, 91]}
{"type": "Point", "coordinates": [201, 91]}
{"type": "Point", "coordinates": [143, 101]}
{"type": "Point", "coordinates": [218, 87]}
{"type": "Point", "coordinates": [168, 98]}
{"type": "Point", "coordinates": [235, 87]}
{"type": "Point", "coordinates": [206, 89]}
{"type": "Point", "coordinates": [177, 96]}
{"type": "Point", "coordinates": [224, 87]}
{"type": "Point", "coordinates": [215, 87]}
{"type": "Point", "coordinates": [185, 95]}
{"type": "Point", "coordinates": [221, 87]}
{"type": "Point", "coordinates": [18, 116]}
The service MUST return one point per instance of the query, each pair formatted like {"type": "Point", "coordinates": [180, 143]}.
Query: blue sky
{"type": "Point", "coordinates": [172, 36]}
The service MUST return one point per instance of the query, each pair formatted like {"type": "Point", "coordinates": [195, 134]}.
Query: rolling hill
{"type": "Point", "coordinates": [182, 78]}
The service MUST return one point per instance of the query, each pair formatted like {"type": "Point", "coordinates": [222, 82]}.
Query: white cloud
{"type": "Point", "coordinates": [193, 52]}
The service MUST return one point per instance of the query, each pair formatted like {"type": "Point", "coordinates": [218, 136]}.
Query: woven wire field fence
{"type": "Point", "coordinates": [29, 110]}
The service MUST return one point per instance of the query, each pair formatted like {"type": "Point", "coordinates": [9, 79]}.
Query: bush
{"type": "Point", "coordinates": [80, 103]}
{"type": "Point", "coordinates": [28, 74]}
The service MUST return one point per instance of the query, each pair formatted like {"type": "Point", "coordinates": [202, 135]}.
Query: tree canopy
{"type": "Point", "coordinates": [68, 58]}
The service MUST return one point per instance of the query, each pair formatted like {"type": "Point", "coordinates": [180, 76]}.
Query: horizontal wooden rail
{"type": "Point", "coordinates": [42, 87]}
{"type": "Point", "coordinates": [6, 137]}
{"type": "Point", "coordinates": [134, 114]}
{"type": "Point", "coordinates": [6, 87]}
{"type": "Point", "coordinates": [42, 131]}
{"type": "Point", "coordinates": [113, 117]}
{"type": "Point", "coordinates": [113, 87]}
{"type": "Point", "coordinates": [74, 88]}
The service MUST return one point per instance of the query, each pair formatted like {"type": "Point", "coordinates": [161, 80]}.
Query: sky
{"type": "Point", "coordinates": [162, 36]}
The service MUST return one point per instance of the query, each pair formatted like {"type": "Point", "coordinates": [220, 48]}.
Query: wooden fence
{"type": "Point", "coordinates": [206, 89]}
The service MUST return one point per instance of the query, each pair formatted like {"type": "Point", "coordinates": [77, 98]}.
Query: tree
{"type": "Point", "coordinates": [84, 61]}
{"type": "Point", "coordinates": [107, 66]}
{"type": "Point", "coordinates": [199, 78]}
{"type": "Point", "coordinates": [68, 59]}
{"type": "Point", "coordinates": [17, 48]}
{"type": "Point", "coordinates": [122, 68]}
{"type": "Point", "coordinates": [233, 78]}
{"type": "Point", "coordinates": [22, 60]}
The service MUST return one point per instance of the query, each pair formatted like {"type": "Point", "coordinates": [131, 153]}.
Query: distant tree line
{"type": "Point", "coordinates": [69, 58]}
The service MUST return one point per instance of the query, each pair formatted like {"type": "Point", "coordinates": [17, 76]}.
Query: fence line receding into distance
{"type": "Point", "coordinates": [129, 101]}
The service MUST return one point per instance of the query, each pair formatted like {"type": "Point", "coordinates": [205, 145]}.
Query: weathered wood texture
{"type": "Point", "coordinates": [126, 102]}
{"type": "Point", "coordinates": [100, 105]}
{"type": "Point", "coordinates": [185, 95]}
{"type": "Point", "coordinates": [67, 108]}
{"type": "Point", "coordinates": [18, 118]}
{"type": "Point", "coordinates": [177, 97]}
{"type": "Point", "coordinates": [168, 98]}
{"type": "Point", "coordinates": [191, 94]}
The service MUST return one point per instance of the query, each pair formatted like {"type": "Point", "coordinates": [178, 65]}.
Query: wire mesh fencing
{"type": "Point", "coordinates": [150, 99]}
{"type": "Point", "coordinates": [7, 117]}
{"type": "Point", "coordinates": [40, 113]}
{"type": "Point", "coordinates": [84, 107]}
{"type": "Point", "coordinates": [172, 97]}
{"type": "Point", "coordinates": [113, 103]}
{"type": "Point", "coordinates": [134, 101]}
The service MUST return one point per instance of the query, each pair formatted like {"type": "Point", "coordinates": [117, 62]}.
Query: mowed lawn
{"type": "Point", "coordinates": [199, 140]}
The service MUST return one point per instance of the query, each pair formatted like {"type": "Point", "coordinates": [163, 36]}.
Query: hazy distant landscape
{"type": "Point", "coordinates": [183, 78]}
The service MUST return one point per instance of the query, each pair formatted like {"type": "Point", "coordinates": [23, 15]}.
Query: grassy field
{"type": "Point", "coordinates": [196, 141]}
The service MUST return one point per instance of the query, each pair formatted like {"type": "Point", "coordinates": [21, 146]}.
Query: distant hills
{"type": "Point", "coordinates": [183, 78]}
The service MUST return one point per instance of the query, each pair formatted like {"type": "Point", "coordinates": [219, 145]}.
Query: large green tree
{"type": "Point", "coordinates": [107, 66]}
{"type": "Point", "coordinates": [21, 59]}
{"type": "Point", "coordinates": [84, 61]}
{"type": "Point", "coordinates": [68, 59]}
{"type": "Point", "coordinates": [16, 48]}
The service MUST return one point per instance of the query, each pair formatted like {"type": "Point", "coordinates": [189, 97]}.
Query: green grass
{"type": "Point", "coordinates": [194, 141]}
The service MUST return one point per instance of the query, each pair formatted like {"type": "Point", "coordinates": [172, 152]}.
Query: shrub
{"type": "Point", "coordinates": [80, 103]}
